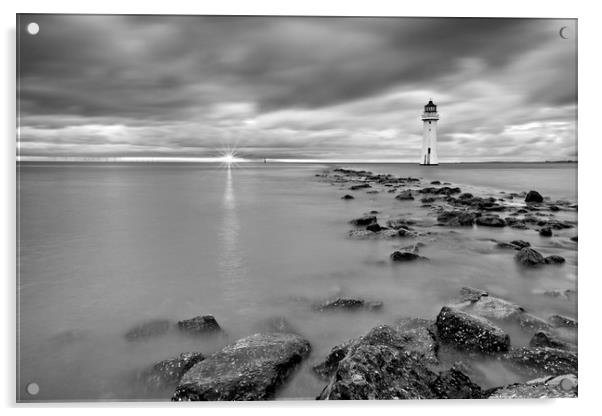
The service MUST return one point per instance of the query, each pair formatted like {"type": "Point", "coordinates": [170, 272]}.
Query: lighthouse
{"type": "Point", "coordinates": [429, 135]}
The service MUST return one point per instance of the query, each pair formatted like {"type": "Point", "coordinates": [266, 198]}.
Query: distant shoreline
{"type": "Point", "coordinates": [281, 161]}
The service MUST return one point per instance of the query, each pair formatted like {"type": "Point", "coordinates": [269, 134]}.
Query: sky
{"type": "Point", "coordinates": [296, 88]}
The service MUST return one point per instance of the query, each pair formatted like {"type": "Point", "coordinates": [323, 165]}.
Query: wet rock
{"type": "Point", "coordinates": [347, 304]}
{"type": "Point", "coordinates": [521, 243]}
{"type": "Point", "coordinates": [148, 330]}
{"type": "Point", "coordinates": [250, 369]}
{"type": "Point", "coordinates": [568, 293]}
{"type": "Point", "coordinates": [404, 256]}
{"type": "Point", "coordinates": [199, 325]}
{"type": "Point", "coordinates": [405, 196]}
{"type": "Point", "coordinates": [457, 218]}
{"type": "Point", "coordinates": [502, 244]}
{"type": "Point", "coordinates": [540, 361]}
{"type": "Point", "coordinates": [554, 208]}
{"type": "Point", "coordinates": [428, 200]}
{"type": "Point", "coordinates": [530, 257]}
{"type": "Point", "coordinates": [562, 321]}
{"type": "Point", "coordinates": [375, 228]}
{"type": "Point", "coordinates": [551, 387]}
{"type": "Point", "coordinates": [466, 195]}
{"type": "Point", "coordinates": [384, 233]}
{"type": "Point", "coordinates": [383, 365]}
{"type": "Point", "coordinates": [574, 239]}
{"type": "Point", "coordinates": [554, 259]}
{"type": "Point", "coordinates": [347, 197]}
{"type": "Point", "coordinates": [398, 223]}
{"type": "Point", "coordinates": [546, 339]}
{"type": "Point", "coordinates": [534, 196]}
{"type": "Point", "coordinates": [167, 373]}
{"type": "Point", "coordinates": [469, 332]}
{"type": "Point", "coordinates": [491, 221]}
{"type": "Point", "coordinates": [361, 186]}
{"type": "Point", "coordinates": [516, 223]}
{"type": "Point", "coordinates": [471, 294]}
{"type": "Point", "coordinates": [363, 221]}
{"type": "Point", "coordinates": [435, 183]}
{"type": "Point", "coordinates": [545, 232]}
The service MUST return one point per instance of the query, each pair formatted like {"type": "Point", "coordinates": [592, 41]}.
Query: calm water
{"type": "Point", "coordinates": [105, 247]}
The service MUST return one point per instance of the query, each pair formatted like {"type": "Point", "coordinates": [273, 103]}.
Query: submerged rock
{"type": "Point", "coordinates": [363, 221]}
{"type": "Point", "coordinates": [541, 361]}
{"type": "Point", "coordinates": [545, 232]}
{"type": "Point", "coordinates": [361, 186]}
{"type": "Point", "coordinates": [405, 196]}
{"type": "Point", "coordinates": [250, 369]}
{"type": "Point", "coordinates": [530, 257]}
{"type": "Point", "coordinates": [551, 387]}
{"type": "Point", "coordinates": [562, 321]}
{"type": "Point", "coordinates": [491, 221]}
{"type": "Point", "coordinates": [470, 332]}
{"type": "Point", "coordinates": [404, 256]}
{"type": "Point", "coordinates": [471, 294]}
{"type": "Point", "coordinates": [520, 243]}
{"type": "Point", "coordinates": [148, 329]}
{"type": "Point", "coordinates": [199, 325]}
{"type": "Point", "coordinates": [375, 228]}
{"type": "Point", "coordinates": [554, 259]}
{"type": "Point", "coordinates": [546, 339]}
{"type": "Point", "coordinates": [457, 218]}
{"type": "Point", "coordinates": [347, 304]}
{"type": "Point", "coordinates": [347, 197]}
{"type": "Point", "coordinates": [167, 373]}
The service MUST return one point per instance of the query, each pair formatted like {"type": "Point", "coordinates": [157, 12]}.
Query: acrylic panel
{"type": "Point", "coordinates": [295, 207]}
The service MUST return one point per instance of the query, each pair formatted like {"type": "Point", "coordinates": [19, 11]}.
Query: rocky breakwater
{"type": "Point", "coordinates": [250, 369]}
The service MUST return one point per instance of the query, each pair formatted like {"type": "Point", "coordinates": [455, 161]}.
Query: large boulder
{"type": "Point", "coordinates": [534, 196]}
{"type": "Point", "coordinates": [148, 330]}
{"type": "Point", "coordinates": [167, 373]}
{"type": "Point", "coordinates": [470, 332]}
{"type": "Point", "coordinates": [550, 387]}
{"type": "Point", "coordinates": [540, 361]}
{"type": "Point", "coordinates": [383, 365]}
{"type": "Point", "coordinates": [199, 325]}
{"type": "Point", "coordinates": [250, 369]}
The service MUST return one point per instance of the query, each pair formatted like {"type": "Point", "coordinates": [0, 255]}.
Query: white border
{"type": "Point", "coordinates": [589, 184]}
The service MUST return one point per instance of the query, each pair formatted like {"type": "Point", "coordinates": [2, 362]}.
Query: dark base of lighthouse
{"type": "Point", "coordinates": [428, 164]}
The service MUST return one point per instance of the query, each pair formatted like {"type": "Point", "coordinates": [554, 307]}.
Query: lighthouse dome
{"type": "Point", "coordinates": [430, 107]}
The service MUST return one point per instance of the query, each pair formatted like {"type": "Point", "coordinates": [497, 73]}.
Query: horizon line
{"type": "Point", "coordinates": [175, 159]}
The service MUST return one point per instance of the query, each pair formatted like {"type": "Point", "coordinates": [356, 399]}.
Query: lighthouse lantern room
{"type": "Point", "coordinates": [429, 137]}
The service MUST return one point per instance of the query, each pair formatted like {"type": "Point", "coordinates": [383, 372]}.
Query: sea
{"type": "Point", "coordinates": [103, 247]}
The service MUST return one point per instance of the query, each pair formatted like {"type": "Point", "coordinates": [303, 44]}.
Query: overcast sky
{"type": "Point", "coordinates": [296, 87]}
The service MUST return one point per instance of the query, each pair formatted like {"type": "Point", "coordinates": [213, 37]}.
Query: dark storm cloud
{"type": "Point", "coordinates": [293, 87]}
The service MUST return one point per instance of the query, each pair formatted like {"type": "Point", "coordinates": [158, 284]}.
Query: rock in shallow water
{"type": "Point", "coordinates": [469, 332]}
{"type": "Point", "coordinates": [347, 304]}
{"type": "Point", "coordinates": [540, 361]}
{"type": "Point", "coordinates": [250, 369]}
{"type": "Point", "coordinates": [363, 221]}
{"type": "Point", "coordinates": [533, 196]}
{"type": "Point", "coordinates": [167, 373]}
{"type": "Point", "coordinates": [530, 257]}
{"type": "Point", "coordinates": [404, 256]}
{"type": "Point", "coordinates": [490, 221]}
{"type": "Point", "coordinates": [546, 339]}
{"type": "Point", "coordinates": [199, 325]}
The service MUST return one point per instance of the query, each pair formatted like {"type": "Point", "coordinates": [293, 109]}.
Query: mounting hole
{"type": "Point", "coordinates": [33, 28]}
{"type": "Point", "coordinates": [33, 388]}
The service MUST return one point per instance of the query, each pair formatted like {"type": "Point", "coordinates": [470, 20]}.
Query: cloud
{"type": "Point", "coordinates": [294, 87]}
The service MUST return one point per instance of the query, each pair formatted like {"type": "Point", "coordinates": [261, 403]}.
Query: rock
{"type": "Point", "coordinates": [363, 221]}
{"type": "Point", "coordinates": [546, 339]}
{"type": "Point", "coordinates": [562, 321]}
{"type": "Point", "coordinates": [533, 196]}
{"type": "Point", "coordinates": [530, 257]}
{"type": "Point", "coordinates": [466, 195]}
{"type": "Point", "coordinates": [250, 369]}
{"type": "Point", "coordinates": [435, 183]}
{"type": "Point", "coordinates": [521, 243]}
{"type": "Point", "coordinates": [471, 294]}
{"type": "Point", "coordinates": [554, 259]}
{"type": "Point", "coordinates": [361, 186]}
{"type": "Point", "coordinates": [405, 195]}
{"type": "Point", "coordinates": [428, 200]}
{"type": "Point", "coordinates": [551, 387]}
{"type": "Point", "coordinates": [554, 208]}
{"type": "Point", "coordinates": [199, 325]}
{"type": "Point", "coordinates": [382, 365]}
{"type": "Point", "coordinates": [403, 256]}
{"type": "Point", "coordinates": [375, 228]}
{"type": "Point", "coordinates": [545, 232]}
{"type": "Point", "coordinates": [167, 373]}
{"type": "Point", "coordinates": [491, 221]}
{"type": "Point", "coordinates": [148, 329]}
{"type": "Point", "coordinates": [457, 218]}
{"type": "Point", "coordinates": [384, 233]}
{"type": "Point", "coordinates": [347, 304]}
{"type": "Point", "coordinates": [347, 197]}
{"type": "Point", "coordinates": [502, 244]}
{"type": "Point", "coordinates": [540, 361]}
{"type": "Point", "coordinates": [470, 332]}
{"type": "Point", "coordinates": [575, 238]}
{"type": "Point", "coordinates": [398, 223]}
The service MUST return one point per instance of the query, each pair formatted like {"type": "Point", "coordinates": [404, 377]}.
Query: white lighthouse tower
{"type": "Point", "coordinates": [429, 137]}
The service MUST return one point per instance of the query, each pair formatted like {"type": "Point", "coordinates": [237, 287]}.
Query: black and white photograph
{"type": "Point", "coordinates": [295, 207]}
